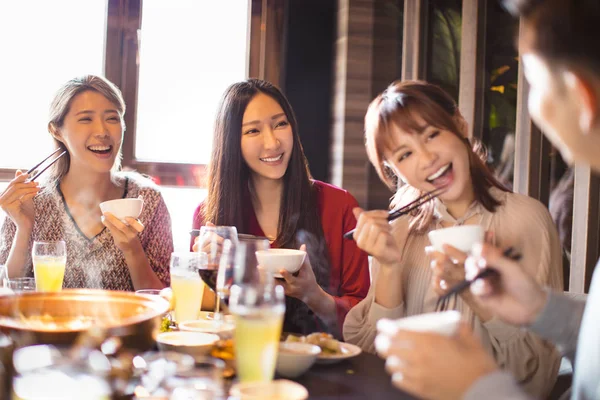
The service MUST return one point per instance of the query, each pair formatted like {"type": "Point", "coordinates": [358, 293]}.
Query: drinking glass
{"type": "Point", "coordinates": [203, 382]}
{"type": "Point", "coordinates": [3, 276]}
{"type": "Point", "coordinates": [212, 240]}
{"type": "Point", "coordinates": [242, 266]}
{"type": "Point", "coordinates": [49, 261]}
{"type": "Point", "coordinates": [258, 311]}
{"type": "Point", "coordinates": [21, 284]}
{"type": "Point", "coordinates": [186, 284]}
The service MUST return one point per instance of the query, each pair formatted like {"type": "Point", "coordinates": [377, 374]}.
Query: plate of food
{"type": "Point", "coordinates": [332, 350]}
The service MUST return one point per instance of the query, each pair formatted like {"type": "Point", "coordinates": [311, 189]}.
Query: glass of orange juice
{"type": "Point", "coordinates": [186, 284]}
{"type": "Point", "coordinates": [49, 261]}
{"type": "Point", "coordinates": [258, 311]}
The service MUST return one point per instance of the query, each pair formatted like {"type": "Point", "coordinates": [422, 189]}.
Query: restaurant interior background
{"type": "Point", "coordinates": [173, 59]}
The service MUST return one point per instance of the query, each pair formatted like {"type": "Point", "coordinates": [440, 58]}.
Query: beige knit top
{"type": "Point", "coordinates": [520, 222]}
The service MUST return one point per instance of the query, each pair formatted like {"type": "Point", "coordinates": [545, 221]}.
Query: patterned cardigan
{"type": "Point", "coordinates": [97, 262]}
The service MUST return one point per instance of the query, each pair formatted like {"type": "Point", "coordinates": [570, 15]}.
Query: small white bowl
{"type": "Point", "coordinates": [122, 208]}
{"type": "Point", "coordinates": [274, 390]}
{"type": "Point", "coordinates": [444, 323]}
{"type": "Point", "coordinates": [224, 329]}
{"type": "Point", "coordinates": [274, 260]}
{"type": "Point", "coordinates": [195, 344]}
{"type": "Point", "coordinates": [294, 359]}
{"type": "Point", "coordinates": [462, 237]}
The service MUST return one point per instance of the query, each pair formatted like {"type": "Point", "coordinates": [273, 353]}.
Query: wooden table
{"type": "Point", "coordinates": [361, 377]}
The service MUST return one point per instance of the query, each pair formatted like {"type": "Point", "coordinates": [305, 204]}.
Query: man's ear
{"type": "Point", "coordinates": [587, 96]}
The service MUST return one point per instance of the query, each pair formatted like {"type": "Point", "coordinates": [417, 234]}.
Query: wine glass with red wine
{"type": "Point", "coordinates": [217, 242]}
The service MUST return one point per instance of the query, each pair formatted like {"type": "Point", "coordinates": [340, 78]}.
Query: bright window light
{"type": "Point", "coordinates": [43, 44]}
{"type": "Point", "coordinates": [190, 51]}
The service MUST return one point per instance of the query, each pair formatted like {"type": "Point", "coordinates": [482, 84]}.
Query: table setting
{"type": "Point", "coordinates": [159, 344]}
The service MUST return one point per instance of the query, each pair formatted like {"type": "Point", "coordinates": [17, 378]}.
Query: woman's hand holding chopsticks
{"type": "Point", "coordinates": [17, 201]}
{"type": "Point", "coordinates": [373, 234]}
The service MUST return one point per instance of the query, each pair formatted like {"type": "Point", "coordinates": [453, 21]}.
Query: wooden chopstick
{"type": "Point", "coordinates": [394, 214]}
{"type": "Point", "coordinates": [46, 167]}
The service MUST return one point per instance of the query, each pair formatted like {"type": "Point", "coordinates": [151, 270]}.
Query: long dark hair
{"type": "Point", "coordinates": [398, 106]}
{"type": "Point", "coordinates": [565, 32]}
{"type": "Point", "coordinates": [229, 180]}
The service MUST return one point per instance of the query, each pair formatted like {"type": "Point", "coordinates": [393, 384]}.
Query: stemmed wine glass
{"type": "Point", "coordinates": [218, 243]}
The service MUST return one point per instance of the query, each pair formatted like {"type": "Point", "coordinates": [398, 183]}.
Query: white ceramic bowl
{"type": "Point", "coordinates": [444, 323]}
{"type": "Point", "coordinates": [195, 344]}
{"type": "Point", "coordinates": [294, 358]}
{"type": "Point", "coordinates": [223, 329]}
{"type": "Point", "coordinates": [122, 208]}
{"type": "Point", "coordinates": [274, 390]}
{"type": "Point", "coordinates": [462, 237]}
{"type": "Point", "coordinates": [275, 260]}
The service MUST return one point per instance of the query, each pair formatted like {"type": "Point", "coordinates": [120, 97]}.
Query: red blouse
{"type": "Point", "coordinates": [349, 265]}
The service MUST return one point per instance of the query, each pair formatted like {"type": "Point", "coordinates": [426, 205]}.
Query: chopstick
{"type": "Point", "coordinates": [394, 214]}
{"type": "Point", "coordinates": [485, 273]}
{"type": "Point", "coordinates": [37, 174]}
{"type": "Point", "coordinates": [41, 162]}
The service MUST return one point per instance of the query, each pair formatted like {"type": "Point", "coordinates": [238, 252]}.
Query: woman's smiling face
{"type": "Point", "coordinates": [430, 158]}
{"type": "Point", "coordinates": [267, 138]}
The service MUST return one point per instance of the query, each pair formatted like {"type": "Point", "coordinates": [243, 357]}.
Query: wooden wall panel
{"type": "Point", "coordinates": [352, 94]}
{"type": "Point", "coordinates": [585, 241]}
{"type": "Point", "coordinates": [415, 39]}
{"type": "Point", "coordinates": [267, 24]}
{"type": "Point", "coordinates": [472, 65]}
{"type": "Point", "coordinates": [532, 151]}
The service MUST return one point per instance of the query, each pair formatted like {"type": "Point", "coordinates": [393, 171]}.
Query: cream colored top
{"type": "Point", "coordinates": [520, 222]}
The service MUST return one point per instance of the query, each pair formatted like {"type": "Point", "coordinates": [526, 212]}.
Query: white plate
{"type": "Point", "coordinates": [348, 351]}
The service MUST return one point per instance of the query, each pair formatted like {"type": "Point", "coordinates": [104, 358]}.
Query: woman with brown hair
{"type": "Point", "coordinates": [259, 182]}
{"type": "Point", "coordinates": [417, 140]}
{"type": "Point", "coordinates": [86, 121]}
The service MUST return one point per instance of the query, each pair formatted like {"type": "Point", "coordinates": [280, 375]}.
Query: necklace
{"type": "Point", "coordinates": [442, 214]}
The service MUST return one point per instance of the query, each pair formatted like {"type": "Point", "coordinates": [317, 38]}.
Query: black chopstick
{"type": "Point", "coordinates": [46, 167]}
{"type": "Point", "coordinates": [394, 214]}
{"type": "Point", "coordinates": [485, 273]}
{"type": "Point", "coordinates": [41, 162]}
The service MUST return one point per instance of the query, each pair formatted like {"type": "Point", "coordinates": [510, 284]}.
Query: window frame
{"type": "Point", "coordinates": [124, 18]}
